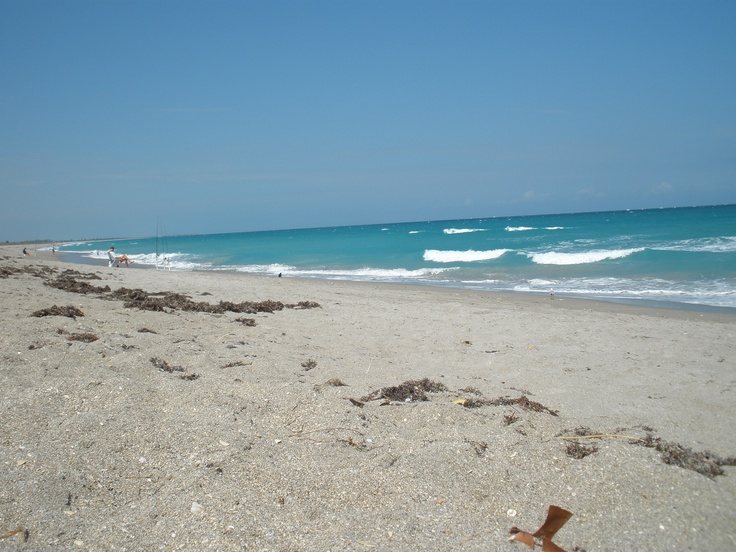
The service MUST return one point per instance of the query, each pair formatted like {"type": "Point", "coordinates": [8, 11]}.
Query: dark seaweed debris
{"type": "Point", "coordinates": [166, 367]}
{"type": "Point", "coordinates": [7, 271]}
{"type": "Point", "coordinates": [83, 337]}
{"type": "Point", "coordinates": [39, 272]}
{"type": "Point", "coordinates": [68, 273]}
{"type": "Point", "coordinates": [160, 302]}
{"type": "Point", "coordinates": [705, 463]}
{"type": "Point", "coordinates": [523, 402]}
{"type": "Point", "coordinates": [70, 311]}
{"type": "Point", "coordinates": [579, 450]}
{"type": "Point", "coordinates": [66, 282]}
{"type": "Point", "coordinates": [409, 391]}
{"type": "Point", "coordinates": [167, 301]}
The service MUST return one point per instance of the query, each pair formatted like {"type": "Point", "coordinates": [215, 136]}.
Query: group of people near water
{"type": "Point", "coordinates": [115, 260]}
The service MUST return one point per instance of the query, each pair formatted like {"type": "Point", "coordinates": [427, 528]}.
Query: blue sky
{"type": "Point", "coordinates": [227, 116]}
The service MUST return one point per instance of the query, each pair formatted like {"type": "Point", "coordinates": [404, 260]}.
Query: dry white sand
{"type": "Point", "coordinates": [252, 446]}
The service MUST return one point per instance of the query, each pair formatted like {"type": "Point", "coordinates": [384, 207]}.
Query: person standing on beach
{"type": "Point", "coordinates": [26, 253]}
{"type": "Point", "coordinates": [112, 258]}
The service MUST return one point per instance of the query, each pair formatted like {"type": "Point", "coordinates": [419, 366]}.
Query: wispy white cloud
{"type": "Point", "coordinates": [533, 195]}
{"type": "Point", "coordinates": [589, 192]}
{"type": "Point", "coordinates": [663, 188]}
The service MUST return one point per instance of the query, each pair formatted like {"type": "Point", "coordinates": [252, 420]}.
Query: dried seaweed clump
{"type": "Point", "coordinates": [68, 273]}
{"type": "Point", "coordinates": [250, 307]}
{"type": "Point", "coordinates": [705, 463]}
{"type": "Point", "coordinates": [166, 367]}
{"type": "Point", "coordinates": [83, 337]}
{"type": "Point", "coordinates": [160, 302]}
{"type": "Point", "coordinates": [250, 322]}
{"type": "Point", "coordinates": [304, 305]}
{"type": "Point", "coordinates": [37, 271]}
{"type": "Point", "coordinates": [579, 451]}
{"type": "Point", "coordinates": [166, 301]}
{"type": "Point", "coordinates": [66, 283]}
{"type": "Point", "coordinates": [237, 363]}
{"type": "Point", "coordinates": [523, 402]}
{"type": "Point", "coordinates": [409, 391]}
{"type": "Point", "coordinates": [70, 310]}
{"type": "Point", "coordinates": [7, 271]}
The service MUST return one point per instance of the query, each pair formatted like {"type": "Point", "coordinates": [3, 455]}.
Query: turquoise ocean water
{"type": "Point", "coordinates": [679, 255]}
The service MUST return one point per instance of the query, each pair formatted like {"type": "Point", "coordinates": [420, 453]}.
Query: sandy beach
{"type": "Point", "coordinates": [160, 410]}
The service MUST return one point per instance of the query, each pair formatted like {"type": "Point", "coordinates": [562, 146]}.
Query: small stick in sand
{"type": "Point", "coordinates": [602, 436]}
{"type": "Point", "coordinates": [17, 531]}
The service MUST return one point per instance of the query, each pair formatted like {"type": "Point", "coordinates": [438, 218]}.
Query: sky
{"type": "Point", "coordinates": [118, 117]}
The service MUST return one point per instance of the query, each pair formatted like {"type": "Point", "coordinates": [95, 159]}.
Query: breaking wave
{"type": "Point", "coordinates": [584, 257]}
{"type": "Point", "coordinates": [435, 255]}
{"type": "Point", "coordinates": [462, 230]}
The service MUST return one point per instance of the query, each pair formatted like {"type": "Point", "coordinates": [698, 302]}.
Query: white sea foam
{"type": "Point", "coordinates": [519, 228]}
{"type": "Point", "coordinates": [462, 230]}
{"type": "Point", "coordinates": [271, 269]}
{"type": "Point", "coordinates": [147, 258]}
{"type": "Point", "coordinates": [437, 256]}
{"type": "Point", "coordinates": [370, 274]}
{"type": "Point", "coordinates": [378, 274]}
{"type": "Point", "coordinates": [716, 293]}
{"type": "Point", "coordinates": [583, 257]}
{"type": "Point", "coordinates": [723, 244]}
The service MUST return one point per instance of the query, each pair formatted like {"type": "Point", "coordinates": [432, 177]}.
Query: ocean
{"type": "Point", "coordinates": [667, 257]}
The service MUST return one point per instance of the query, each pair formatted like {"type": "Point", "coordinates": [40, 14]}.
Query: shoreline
{"type": "Point", "coordinates": [190, 429]}
{"type": "Point", "coordinates": [602, 302]}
